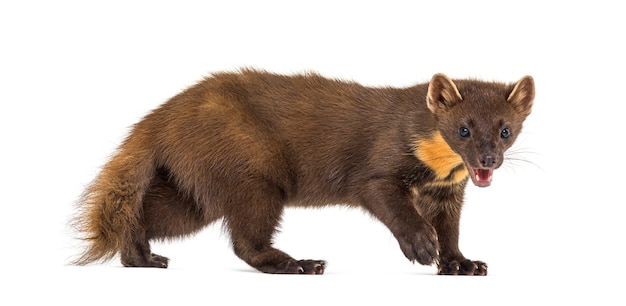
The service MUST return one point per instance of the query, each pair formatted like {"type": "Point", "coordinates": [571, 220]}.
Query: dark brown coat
{"type": "Point", "coordinates": [242, 146]}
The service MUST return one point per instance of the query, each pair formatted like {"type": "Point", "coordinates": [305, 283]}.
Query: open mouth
{"type": "Point", "coordinates": [480, 177]}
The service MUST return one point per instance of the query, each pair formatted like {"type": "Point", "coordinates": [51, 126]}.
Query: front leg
{"type": "Point", "coordinates": [441, 206]}
{"type": "Point", "coordinates": [390, 202]}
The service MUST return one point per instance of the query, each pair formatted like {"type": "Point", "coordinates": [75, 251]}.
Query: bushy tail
{"type": "Point", "coordinates": [110, 207]}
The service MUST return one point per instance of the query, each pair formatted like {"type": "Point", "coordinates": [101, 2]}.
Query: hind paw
{"type": "Point", "coordinates": [161, 261]}
{"type": "Point", "coordinates": [311, 266]}
{"type": "Point", "coordinates": [293, 266]}
{"type": "Point", "coordinates": [154, 261]}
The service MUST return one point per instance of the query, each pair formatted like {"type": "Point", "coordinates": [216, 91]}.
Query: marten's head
{"type": "Point", "coordinates": [480, 120]}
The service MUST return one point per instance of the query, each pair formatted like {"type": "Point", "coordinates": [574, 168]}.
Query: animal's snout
{"type": "Point", "coordinates": [488, 161]}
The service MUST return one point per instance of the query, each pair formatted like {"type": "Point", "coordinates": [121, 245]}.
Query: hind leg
{"type": "Point", "coordinates": [252, 223]}
{"type": "Point", "coordinates": [136, 253]}
{"type": "Point", "coordinates": [167, 213]}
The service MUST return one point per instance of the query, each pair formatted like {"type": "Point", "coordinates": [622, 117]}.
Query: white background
{"type": "Point", "coordinates": [74, 76]}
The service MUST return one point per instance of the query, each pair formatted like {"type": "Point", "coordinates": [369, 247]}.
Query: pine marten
{"type": "Point", "coordinates": [241, 146]}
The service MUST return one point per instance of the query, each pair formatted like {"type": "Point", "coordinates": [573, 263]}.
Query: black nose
{"type": "Point", "coordinates": [488, 161]}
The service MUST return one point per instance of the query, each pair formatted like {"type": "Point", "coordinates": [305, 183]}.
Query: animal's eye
{"type": "Point", "coordinates": [505, 133]}
{"type": "Point", "coordinates": [464, 132]}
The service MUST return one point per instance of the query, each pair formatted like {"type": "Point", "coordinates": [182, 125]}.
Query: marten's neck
{"type": "Point", "coordinates": [438, 156]}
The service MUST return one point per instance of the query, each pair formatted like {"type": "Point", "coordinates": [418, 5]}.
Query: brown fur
{"type": "Point", "coordinates": [242, 146]}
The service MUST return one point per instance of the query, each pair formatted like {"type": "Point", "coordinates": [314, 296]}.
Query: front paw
{"type": "Point", "coordinates": [464, 267]}
{"type": "Point", "coordinates": [421, 246]}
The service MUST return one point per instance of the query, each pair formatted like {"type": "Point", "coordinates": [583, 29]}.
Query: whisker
{"type": "Point", "coordinates": [515, 156]}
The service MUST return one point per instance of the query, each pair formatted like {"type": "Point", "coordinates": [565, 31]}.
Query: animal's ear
{"type": "Point", "coordinates": [442, 92]}
{"type": "Point", "coordinates": [522, 95]}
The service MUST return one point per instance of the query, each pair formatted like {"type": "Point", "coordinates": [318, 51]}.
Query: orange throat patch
{"type": "Point", "coordinates": [438, 156]}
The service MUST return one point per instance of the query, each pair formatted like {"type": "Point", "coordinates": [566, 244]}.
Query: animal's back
{"type": "Point", "coordinates": [297, 132]}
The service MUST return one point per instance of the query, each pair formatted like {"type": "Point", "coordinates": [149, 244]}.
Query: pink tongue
{"type": "Point", "coordinates": [483, 174]}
